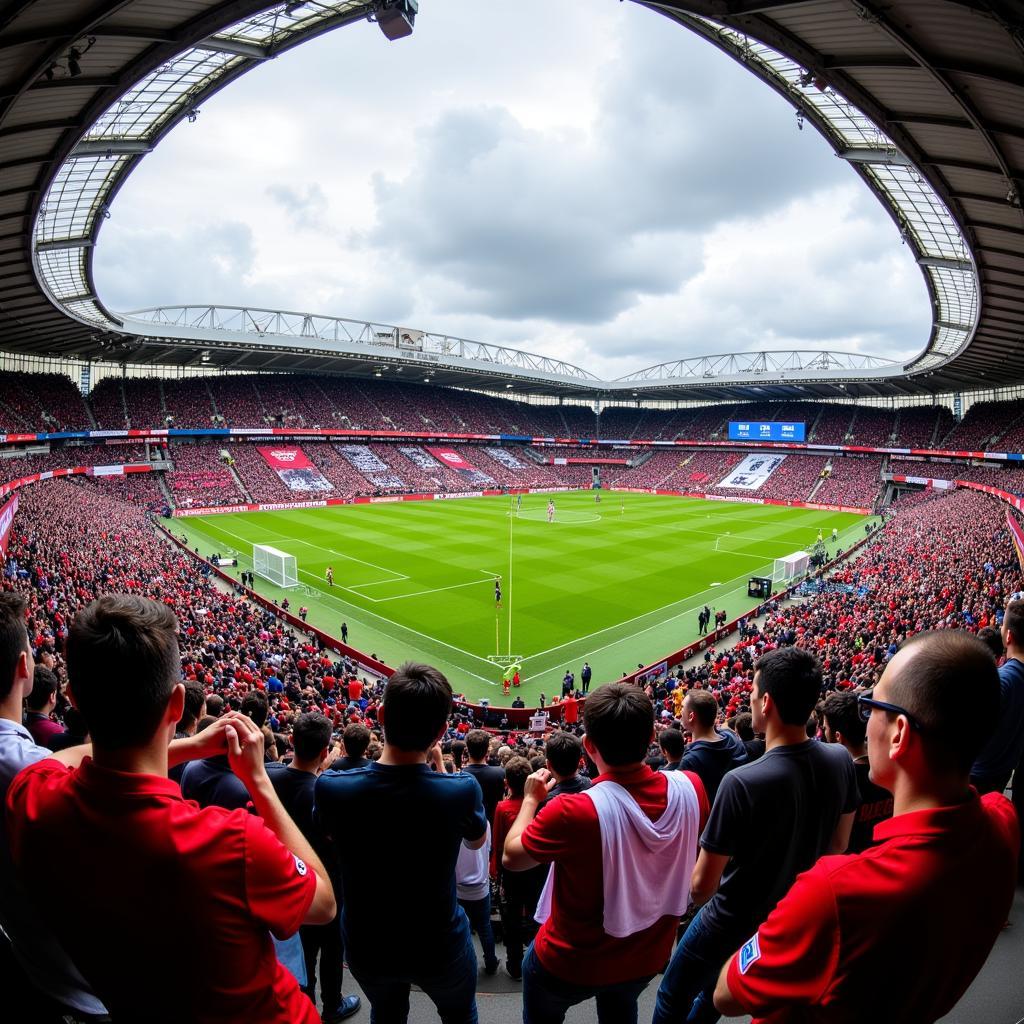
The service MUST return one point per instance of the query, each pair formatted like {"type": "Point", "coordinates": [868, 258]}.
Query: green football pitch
{"type": "Point", "coordinates": [618, 583]}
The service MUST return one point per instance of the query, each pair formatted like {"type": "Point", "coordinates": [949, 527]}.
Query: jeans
{"type": "Point", "coordinates": [546, 998]}
{"type": "Point", "coordinates": [688, 986]}
{"type": "Point", "coordinates": [323, 940]}
{"type": "Point", "coordinates": [451, 989]}
{"type": "Point", "coordinates": [521, 891]}
{"type": "Point", "coordinates": [479, 914]}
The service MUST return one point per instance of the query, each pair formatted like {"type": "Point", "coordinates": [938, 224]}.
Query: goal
{"type": "Point", "coordinates": [790, 567]}
{"type": "Point", "coordinates": [275, 566]}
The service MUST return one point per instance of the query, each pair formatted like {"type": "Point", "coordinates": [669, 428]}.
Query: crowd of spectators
{"type": "Point", "coordinates": [832, 424]}
{"type": "Point", "coordinates": [262, 691]}
{"type": "Point", "coordinates": [1006, 476]}
{"type": "Point", "coordinates": [189, 402]}
{"type": "Point", "coordinates": [44, 402]}
{"type": "Point", "coordinates": [982, 425]}
{"type": "Point", "coordinates": [853, 481]}
{"type": "Point", "coordinates": [873, 426]}
{"type": "Point", "coordinates": [40, 402]}
{"type": "Point", "coordinates": [923, 426]}
{"type": "Point", "coordinates": [200, 478]}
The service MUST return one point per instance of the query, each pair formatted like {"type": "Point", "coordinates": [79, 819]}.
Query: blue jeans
{"type": "Point", "coordinates": [688, 986]}
{"type": "Point", "coordinates": [479, 914]}
{"type": "Point", "coordinates": [546, 998]}
{"type": "Point", "coordinates": [452, 990]}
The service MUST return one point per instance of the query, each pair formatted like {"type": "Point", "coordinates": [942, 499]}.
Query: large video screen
{"type": "Point", "coordinates": [741, 431]}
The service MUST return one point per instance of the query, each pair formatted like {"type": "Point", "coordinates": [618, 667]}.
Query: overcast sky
{"type": "Point", "coordinates": [580, 178]}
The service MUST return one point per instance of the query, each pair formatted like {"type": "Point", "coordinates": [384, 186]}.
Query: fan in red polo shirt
{"type": "Point", "coordinates": [163, 882]}
{"type": "Point", "coordinates": [862, 932]}
{"type": "Point", "coordinates": [621, 854]}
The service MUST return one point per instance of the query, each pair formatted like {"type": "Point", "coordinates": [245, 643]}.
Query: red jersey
{"type": "Point", "coordinates": [159, 880]}
{"type": "Point", "coordinates": [572, 944]}
{"type": "Point", "coordinates": [906, 925]}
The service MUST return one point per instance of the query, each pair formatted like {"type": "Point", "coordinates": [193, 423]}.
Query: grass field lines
{"type": "Point", "coordinates": [662, 621]}
{"type": "Point", "coordinates": [397, 632]}
{"type": "Point", "coordinates": [616, 585]}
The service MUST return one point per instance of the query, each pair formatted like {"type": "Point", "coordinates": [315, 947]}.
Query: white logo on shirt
{"type": "Point", "coordinates": [748, 954]}
{"type": "Point", "coordinates": [300, 865]}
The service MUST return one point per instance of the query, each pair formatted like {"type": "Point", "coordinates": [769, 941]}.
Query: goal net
{"type": "Point", "coordinates": [275, 566]}
{"type": "Point", "coordinates": [790, 567]}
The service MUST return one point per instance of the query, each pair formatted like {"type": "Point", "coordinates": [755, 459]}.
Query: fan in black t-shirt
{"type": "Point", "coordinates": [771, 819]}
{"type": "Point", "coordinates": [490, 777]}
{"type": "Point", "coordinates": [843, 725]}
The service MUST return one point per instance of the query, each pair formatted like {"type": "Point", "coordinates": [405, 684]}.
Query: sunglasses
{"type": "Point", "coordinates": [866, 704]}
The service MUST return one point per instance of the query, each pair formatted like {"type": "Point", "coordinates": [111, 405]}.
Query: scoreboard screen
{"type": "Point", "coordinates": [774, 431]}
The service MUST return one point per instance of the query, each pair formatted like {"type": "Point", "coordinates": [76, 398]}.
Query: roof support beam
{"type": "Point", "coordinates": [110, 148]}
{"type": "Point", "coordinates": [221, 44]}
{"type": "Point", "coordinates": [869, 155]}
{"type": "Point", "coordinates": [940, 263]}
{"type": "Point", "coordinates": [65, 243]}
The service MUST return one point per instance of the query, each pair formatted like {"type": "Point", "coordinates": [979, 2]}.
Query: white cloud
{"type": "Point", "coordinates": [602, 187]}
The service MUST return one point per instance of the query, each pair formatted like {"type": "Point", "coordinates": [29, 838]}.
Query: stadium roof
{"type": "Point", "coordinates": [88, 87]}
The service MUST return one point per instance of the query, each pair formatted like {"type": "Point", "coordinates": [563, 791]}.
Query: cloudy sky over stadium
{"type": "Point", "coordinates": [580, 178]}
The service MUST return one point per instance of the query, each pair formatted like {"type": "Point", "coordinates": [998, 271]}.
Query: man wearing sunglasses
{"type": "Point", "coordinates": [856, 929]}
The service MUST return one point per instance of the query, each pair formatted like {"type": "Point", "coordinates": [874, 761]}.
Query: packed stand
{"type": "Point", "coordinates": [1011, 438]}
{"type": "Point", "coordinates": [794, 479]}
{"type": "Point", "coordinates": [923, 426]}
{"type": "Point", "coordinates": [853, 481]}
{"type": "Point", "coordinates": [832, 425]}
{"type": "Point", "coordinates": [201, 479]}
{"type": "Point", "coordinates": [1006, 477]}
{"type": "Point", "coordinates": [108, 404]}
{"type": "Point", "coordinates": [236, 401]}
{"type": "Point", "coordinates": [873, 427]}
{"type": "Point", "coordinates": [981, 427]}
{"type": "Point", "coordinates": [189, 402]}
{"type": "Point", "coordinates": [260, 480]}
{"type": "Point", "coordinates": [40, 403]}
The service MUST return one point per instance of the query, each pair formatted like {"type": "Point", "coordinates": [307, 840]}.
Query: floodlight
{"type": "Point", "coordinates": [396, 18]}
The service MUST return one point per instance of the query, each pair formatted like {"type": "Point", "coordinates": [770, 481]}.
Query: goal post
{"type": "Point", "coordinates": [276, 566]}
{"type": "Point", "coordinates": [790, 567]}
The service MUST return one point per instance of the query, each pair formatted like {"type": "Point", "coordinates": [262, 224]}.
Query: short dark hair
{"type": "Point", "coordinates": [843, 716]}
{"type": "Point", "coordinates": [123, 665]}
{"type": "Point", "coordinates": [956, 722]}
{"type": "Point", "coordinates": [256, 705]}
{"type": "Point", "coordinates": [195, 698]}
{"type": "Point", "coordinates": [356, 739]}
{"type": "Point", "coordinates": [563, 751]}
{"type": "Point", "coordinates": [704, 706]}
{"type": "Point", "coordinates": [44, 685]}
{"type": "Point", "coordinates": [1013, 620]}
{"type": "Point", "coordinates": [743, 723]}
{"type": "Point", "coordinates": [417, 703]}
{"type": "Point", "coordinates": [478, 742]}
{"type": "Point", "coordinates": [792, 678]}
{"type": "Point", "coordinates": [214, 705]}
{"type": "Point", "coordinates": [312, 732]}
{"type": "Point", "coordinates": [990, 636]}
{"type": "Point", "coordinates": [13, 638]}
{"type": "Point", "coordinates": [619, 720]}
{"type": "Point", "coordinates": [671, 741]}
{"type": "Point", "coordinates": [517, 769]}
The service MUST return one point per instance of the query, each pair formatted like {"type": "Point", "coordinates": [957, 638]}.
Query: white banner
{"type": "Point", "coordinates": [752, 472]}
